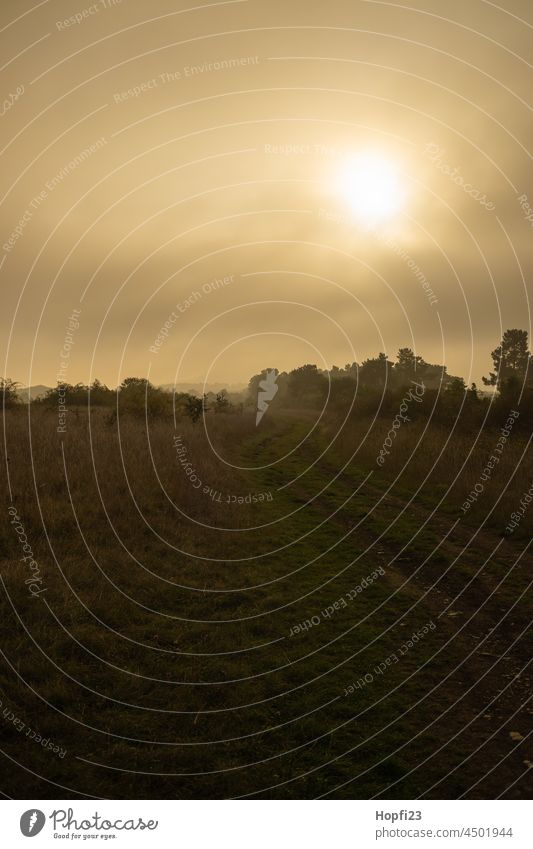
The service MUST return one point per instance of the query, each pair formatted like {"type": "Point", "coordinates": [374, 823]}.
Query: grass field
{"type": "Point", "coordinates": [165, 655]}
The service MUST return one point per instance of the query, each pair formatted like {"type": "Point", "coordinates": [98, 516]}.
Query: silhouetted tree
{"type": "Point", "coordinates": [253, 384]}
{"type": "Point", "coordinates": [73, 395]}
{"type": "Point", "coordinates": [307, 385]}
{"type": "Point", "coordinates": [408, 367]}
{"type": "Point", "coordinates": [9, 388]}
{"type": "Point", "coordinates": [351, 370]}
{"type": "Point", "coordinates": [511, 361]}
{"type": "Point", "coordinates": [100, 395]}
{"type": "Point", "coordinates": [376, 372]}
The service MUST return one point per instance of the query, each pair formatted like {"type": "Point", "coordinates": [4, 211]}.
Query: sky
{"type": "Point", "coordinates": [198, 192]}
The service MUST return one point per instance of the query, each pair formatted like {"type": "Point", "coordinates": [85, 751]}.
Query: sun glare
{"type": "Point", "coordinates": [373, 188]}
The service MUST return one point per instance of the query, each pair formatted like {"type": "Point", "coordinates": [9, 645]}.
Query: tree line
{"type": "Point", "coordinates": [375, 385]}
{"type": "Point", "coordinates": [372, 387]}
{"type": "Point", "coordinates": [135, 395]}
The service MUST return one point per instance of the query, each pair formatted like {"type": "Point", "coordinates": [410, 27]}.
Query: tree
{"type": "Point", "coordinates": [100, 395]}
{"type": "Point", "coordinates": [195, 407]}
{"type": "Point", "coordinates": [456, 386]}
{"type": "Point", "coordinates": [336, 373]}
{"type": "Point", "coordinates": [9, 390]}
{"type": "Point", "coordinates": [408, 367]}
{"type": "Point", "coordinates": [352, 370]}
{"type": "Point", "coordinates": [375, 372]}
{"type": "Point", "coordinates": [308, 385]}
{"type": "Point", "coordinates": [343, 392]}
{"type": "Point", "coordinates": [137, 395]}
{"type": "Point", "coordinates": [130, 383]}
{"type": "Point", "coordinates": [253, 384]}
{"type": "Point", "coordinates": [222, 403]}
{"type": "Point", "coordinates": [65, 393]}
{"type": "Point", "coordinates": [133, 395]}
{"type": "Point", "coordinates": [511, 361]}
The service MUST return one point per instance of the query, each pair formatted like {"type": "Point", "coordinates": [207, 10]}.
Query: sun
{"type": "Point", "coordinates": [372, 186]}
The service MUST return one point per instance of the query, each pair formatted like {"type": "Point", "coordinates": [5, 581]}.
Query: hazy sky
{"type": "Point", "coordinates": [149, 149]}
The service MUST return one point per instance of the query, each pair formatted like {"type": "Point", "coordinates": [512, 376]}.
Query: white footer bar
{"type": "Point", "coordinates": [268, 824]}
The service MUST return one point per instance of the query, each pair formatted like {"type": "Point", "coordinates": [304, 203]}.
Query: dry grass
{"type": "Point", "coordinates": [156, 627]}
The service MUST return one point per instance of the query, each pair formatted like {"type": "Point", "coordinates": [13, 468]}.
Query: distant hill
{"type": "Point", "coordinates": [30, 393]}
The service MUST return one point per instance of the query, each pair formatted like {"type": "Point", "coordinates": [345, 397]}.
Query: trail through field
{"type": "Point", "coordinates": [473, 583]}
